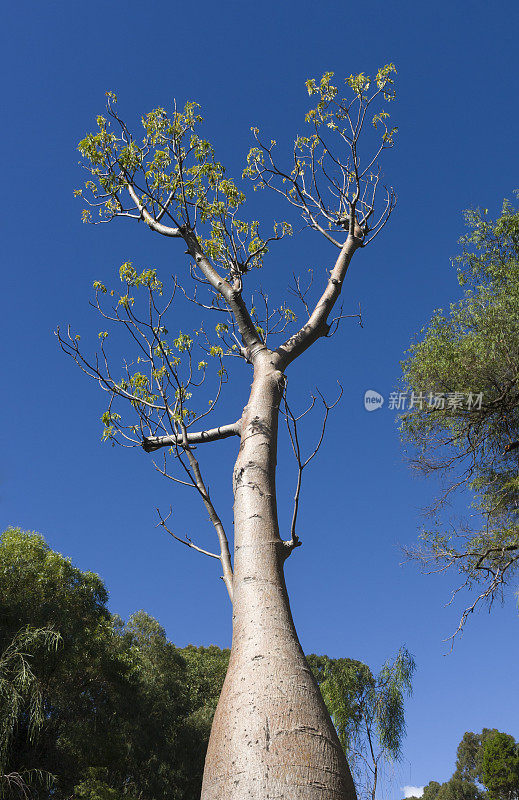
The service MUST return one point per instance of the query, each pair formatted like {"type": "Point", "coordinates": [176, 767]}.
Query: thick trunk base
{"type": "Point", "coordinates": [272, 737]}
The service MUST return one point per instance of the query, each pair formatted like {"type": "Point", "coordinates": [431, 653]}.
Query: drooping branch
{"type": "Point", "coordinates": [483, 560]}
{"type": "Point", "coordinates": [151, 443]}
{"type": "Point", "coordinates": [497, 579]}
{"type": "Point", "coordinates": [158, 391]}
{"type": "Point", "coordinates": [225, 556]}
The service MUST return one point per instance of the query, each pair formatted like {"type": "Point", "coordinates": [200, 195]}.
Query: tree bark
{"type": "Point", "coordinates": [272, 737]}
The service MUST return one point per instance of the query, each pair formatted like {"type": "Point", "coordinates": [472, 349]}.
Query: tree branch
{"type": "Point", "coordinates": [151, 443]}
{"type": "Point", "coordinates": [231, 296]}
{"type": "Point", "coordinates": [187, 541]}
{"type": "Point", "coordinates": [317, 325]}
{"type": "Point", "coordinates": [225, 556]}
{"type": "Point", "coordinates": [291, 422]}
{"type": "Point", "coordinates": [165, 230]}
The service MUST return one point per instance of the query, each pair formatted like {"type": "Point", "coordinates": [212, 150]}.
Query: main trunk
{"type": "Point", "coordinates": [272, 736]}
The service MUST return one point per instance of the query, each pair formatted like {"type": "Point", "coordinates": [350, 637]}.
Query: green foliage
{"type": "Point", "coordinates": [500, 767]}
{"type": "Point", "coordinates": [21, 704]}
{"type": "Point", "coordinates": [473, 350]}
{"type": "Point", "coordinates": [359, 84]}
{"type": "Point", "coordinates": [344, 685]}
{"type": "Point", "coordinates": [95, 787]}
{"type": "Point", "coordinates": [468, 755]}
{"type": "Point", "coordinates": [117, 718]}
{"type": "Point", "coordinates": [180, 178]}
{"type": "Point", "coordinates": [456, 789]}
{"type": "Point", "coordinates": [430, 792]}
{"type": "Point", "coordinates": [489, 759]}
{"type": "Point", "coordinates": [42, 588]}
{"type": "Point", "coordinates": [367, 710]}
{"type": "Point", "coordinates": [117, 711]}
{"type": "Point", "coordinates": [148, 277]}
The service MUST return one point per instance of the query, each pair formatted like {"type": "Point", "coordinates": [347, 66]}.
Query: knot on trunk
{"type": "Point", "coordinates": [251, 352]}
{"type": "Point", "coordinates": [289, 545]}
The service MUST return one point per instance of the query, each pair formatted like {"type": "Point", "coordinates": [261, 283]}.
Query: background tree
{"type": "Point", "coordinates": [487, 766]}
{"type": "Point", "coordinates": [79, 682]}
{"type": "Point", "coordinates": [469, 754]}
{"type": "Point", "coordinates": [430, 792]}
{"type": "Point", "coordinates": [464, 425]}
{"type": "Point", "coordinates": [500, 767]}
{"type": "Point", "coordinates": [367, 711]}
{"type": "Point", "coordinates": [122, 711]}
{"type": "Point", "coordinates": [453, 789]}
{"type": "Point", "coordinates": [457, 789]}
{"type": "Point", "coordinates": [271, 733]}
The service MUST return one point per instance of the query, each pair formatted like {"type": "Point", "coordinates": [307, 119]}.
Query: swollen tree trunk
{"type": "Point", "coordinates": [272, 736]}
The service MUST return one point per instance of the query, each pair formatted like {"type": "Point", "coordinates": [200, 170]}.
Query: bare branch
{"type": "Point", "coordinates": [151, 443]}
{"type": "Point", "coordinates": [187, 541]}
{"type": "Point", "coordinates": [291, 422]}
{"type": "Point", "coordinates": [225, 556]}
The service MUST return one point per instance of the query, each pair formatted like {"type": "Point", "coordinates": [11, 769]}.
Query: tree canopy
{"type": "Point", "coordinates": [500, 766]}
{"type": "Point", "coordinates": [487, 768]}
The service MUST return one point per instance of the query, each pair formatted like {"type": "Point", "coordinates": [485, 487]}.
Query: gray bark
{"type": "Point", "coordinates": [152, 443]}
{"type": "Point", "coordinates": [272, 736]}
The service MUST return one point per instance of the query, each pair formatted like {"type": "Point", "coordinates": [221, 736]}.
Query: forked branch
{"type": "Point", "coordinates": [292, 423]}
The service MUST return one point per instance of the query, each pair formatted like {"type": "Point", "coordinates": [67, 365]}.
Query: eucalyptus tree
{"type": "Point", "coordinates": [271, 735]}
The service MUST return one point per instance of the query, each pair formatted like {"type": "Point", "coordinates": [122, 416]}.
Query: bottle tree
{"type": "Point", "coordinates": [271, 735]}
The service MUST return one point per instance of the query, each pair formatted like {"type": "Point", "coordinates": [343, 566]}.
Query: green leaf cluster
{"type": "Point", "coordinates": [175, 173]}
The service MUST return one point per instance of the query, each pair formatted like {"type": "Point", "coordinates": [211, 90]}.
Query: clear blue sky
{"type": "Point", "coordinates": [246, 64]}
